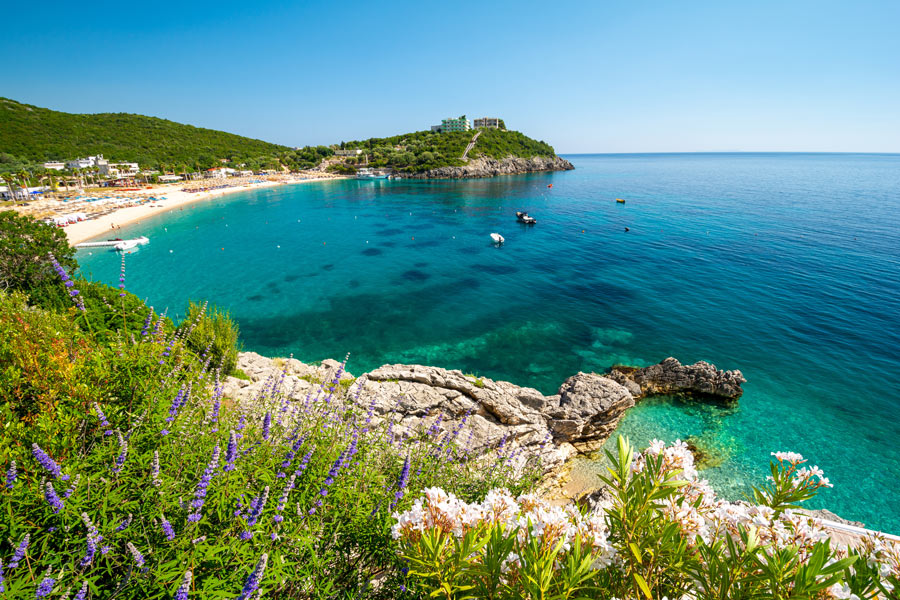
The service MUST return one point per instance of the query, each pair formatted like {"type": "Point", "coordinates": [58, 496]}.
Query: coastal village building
{"type": "Point", "coordinates": [56, 166]}
{"type": "Point", "coordinates": [460, 124]}
{"type": "Point", "coordinates": [487, 123]}
{"type": "Point", "coordinates": [84, 163]}
{"type": "Point", "coordinates": [117, 170]}
{"type": "Point", "coordinates": [169, 178]}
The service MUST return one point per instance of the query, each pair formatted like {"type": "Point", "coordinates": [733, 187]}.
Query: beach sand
{"type": "Point", "coordinates": [175, 198]}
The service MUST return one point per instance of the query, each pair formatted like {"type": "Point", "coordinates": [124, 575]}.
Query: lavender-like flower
{"type": "Point", "coordinates": [126, 522]}
{"type": "Point", "coordinates": [52, 499]}
{"type": "Point", "coordinates": [67, 281]}
{"type": "Point", "coordinates": [138, 557]}
{"type": "Point", "coordinates": [257, 507]}
{"type": "Point", "coordinates": [401, 483]}
{"type": "Point", "coordinates": [103, 421]}
{"type": "Point", "coordinates": [2, 585]}
{"type": "Point", "coordinates": [82, 593]}
{"type": "Point", "coordinates": [252, 583]}
{"type": "Point", "coordinates": [93, 538]}
{"type": "Point", "coordinates": [11, 475]}
{"type": "Point", "coordinates": [122, 278]}
{"type": "Point", "coordinates": [45, 587]}
{"type": "Point", "coordinates": [203, 486]}
{"type": "Point", "coordinates": [154, 469]}
{"type": "Point", "coordinates": [230, 452]}
{"type": "Point", "coordinates": [267, 425]}
{"type": "Point", "coordinates": [123, 454]}
{"type": "Point", "coordinates": [182, 593]}
{"type": "Point", "coordinates": [19, 554]}
{"type": "Point", "coordinates": [167, 528]}
{"type": "Point", "coordinates": [147, 321]}
{"type": "Point", "coordinates": [47, 462]}
{"type": "Point", "coordinates": [73, 487]}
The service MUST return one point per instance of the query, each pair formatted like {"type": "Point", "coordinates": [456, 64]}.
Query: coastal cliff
{"type": "Point", "coordinates": [490, 167]}
{"type": "Point", "coordinates": [576, 420]}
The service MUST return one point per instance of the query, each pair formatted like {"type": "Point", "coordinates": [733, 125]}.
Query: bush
{"type": "Point", "coordinates": [212, 334]}
{"type": "Point", "coordinates": [186, 486]}
{"type": "Point", "coordinates": [660, 533]}
{"type": "Point", "coordinates": [25, 264]}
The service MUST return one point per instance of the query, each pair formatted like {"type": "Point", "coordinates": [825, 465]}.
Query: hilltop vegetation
{"type": "Point", "coordinates": [424, 150]}
{"type": "Point", "coordinates": [30, 136]}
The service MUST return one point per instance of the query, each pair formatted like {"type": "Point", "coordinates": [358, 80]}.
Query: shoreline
{"type": "Point", "coordinates": [83, 231]}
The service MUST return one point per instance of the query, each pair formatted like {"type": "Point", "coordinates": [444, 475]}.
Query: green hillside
{"type": "Point", "coordinates": [30, 134]}
{"type": "Point", "coordinates": [425, 150]}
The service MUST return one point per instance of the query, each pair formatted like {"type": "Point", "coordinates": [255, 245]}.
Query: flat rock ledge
{"type": "Point", "coordinates": [490, 167]}
{"type": "Point", "coordinates": [576, 420]}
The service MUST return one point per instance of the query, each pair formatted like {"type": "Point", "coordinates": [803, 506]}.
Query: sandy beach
{"type": "Point", "coordinates": [168, 197]}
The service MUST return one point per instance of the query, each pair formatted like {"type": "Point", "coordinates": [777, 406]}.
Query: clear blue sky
{"type": "Point", "coordinates": [594, 76]}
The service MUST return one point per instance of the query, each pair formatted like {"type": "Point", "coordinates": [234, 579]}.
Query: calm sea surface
{"type": "Point", "coordinates": [785, 266]}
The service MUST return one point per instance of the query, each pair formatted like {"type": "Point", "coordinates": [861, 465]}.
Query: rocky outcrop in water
{"type": "Point", "coordinates": [671, 377]}
{"type": "Point", "coordinates": [489, 167]}
{"type": "Point", "coordinates": [555, 428]}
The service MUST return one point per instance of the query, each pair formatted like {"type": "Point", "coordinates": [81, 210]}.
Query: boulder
{"type": "Point", "coordinates": [671, 377]}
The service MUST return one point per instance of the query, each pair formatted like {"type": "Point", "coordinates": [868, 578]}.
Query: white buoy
{"type": "Point", "coordinates": [170, 252]}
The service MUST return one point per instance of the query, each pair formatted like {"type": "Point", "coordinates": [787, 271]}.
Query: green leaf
{"type": "Point", "coordinates": [643, 585]}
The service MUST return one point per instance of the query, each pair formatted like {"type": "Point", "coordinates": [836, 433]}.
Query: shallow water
{"type": "Point", "coordinates": [786, 266]}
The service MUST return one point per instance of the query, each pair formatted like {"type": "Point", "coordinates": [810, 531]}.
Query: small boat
{"type": "Point", "coordinates": [620, 201]}
{"type": "Point", "coordinates": [126, 245]}
{"type": "Point", "coordinates": [549, 185]}
{"type": "Point", "coordinates": [523, 217]}
{"type": "Point", "coordinates": [367, 173]}
{"type": "Point", "coordinates": [498, 239]}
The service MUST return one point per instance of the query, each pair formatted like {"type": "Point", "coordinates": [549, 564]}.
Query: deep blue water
{"type": "Point", "coordinates": [786, 266]}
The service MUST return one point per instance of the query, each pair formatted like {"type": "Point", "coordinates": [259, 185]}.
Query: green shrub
{"type": "Point", "coordinates": [212, 335]}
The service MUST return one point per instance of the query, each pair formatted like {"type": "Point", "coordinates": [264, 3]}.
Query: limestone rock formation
{"type": "Point", "coordinates": [555, 428]}
{"type": "Point", "coordinates": [489, 167]}
{"type": "Point", "coordinates": [671, 377]}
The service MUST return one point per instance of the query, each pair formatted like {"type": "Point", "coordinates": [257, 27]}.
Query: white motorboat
{"type": "Point", "coordinates": [498, 239]}
{"type": "Point", "coordinates": [126, 245]}
{"type": "Point", "coordinates": [524, 217]}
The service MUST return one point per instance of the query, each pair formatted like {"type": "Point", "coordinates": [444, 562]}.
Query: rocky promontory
{"type": "Point", "coordinates": [489, 167]}
{"type": "Point", "coordinates": [576, 420]}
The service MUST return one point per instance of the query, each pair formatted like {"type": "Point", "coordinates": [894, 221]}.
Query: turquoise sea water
{"type": "Point", "coordinates": [786, 266]}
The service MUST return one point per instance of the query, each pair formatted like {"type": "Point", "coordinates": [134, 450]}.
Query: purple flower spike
{"type": "Point", "coordinates": [122, 278]}
{"type": "Point", "coordinates": [11, 475]}
{"type": "Point", "coordinates": [230, 452]}
{"type": "Point", "coordinates": [47, 462]}
{"type": "Point", "coordinates": [255, 578]}
{"type": "Point", "coordinates": [82, 593]}
{"type": "Point", "coordinates": [267, 425]}
{"type": "Point", "coordinates": [45, 588]}
{"type": "Point", "coordinates": [52, 499]}
{"type": "Point", "coordinates": [401, 483]}
{"type": "Point", "coordinates": [203, 486]}
{"type": "Point", "coordinates": [19, 554]}
{"type": "Point", "coordinates": [138, 557]}
{"type": "Point", "coordinates": [147, 321]}
{"type": "Point", "coordinates": [167, 528]}
{"type": "Point", "coordinates": [67, 282]}
{"type": "Point", "coordinates": [182, 593]}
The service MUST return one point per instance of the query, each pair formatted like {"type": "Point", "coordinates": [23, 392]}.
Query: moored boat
{"type": "Point", "coordinates": [498, 239]}
{"type": "Point", "coordinates": [524, 217]}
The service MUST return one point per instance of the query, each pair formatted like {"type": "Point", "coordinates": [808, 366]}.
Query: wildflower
{"type": "Point", "coordinates": [203, 485]}
{"type": "Point", "coordinates": [45, 587]}
{"type": "Point", "coordinates": [257, 506]}
{"type": "Point", "coordinates": [182, 593]}
{"type": "Point", "coordinates": [146, 329]}
{"type": "Point", "coordinates": [167, 528]}
{"type": "Point", "coordinates": [198, 540]}
{"type": "Point", "coordinates": [267, 425]}
{"type": "Point", "coordinates": [67, 281]}
{"type": "Point", "coordinates": [2, 586]}
{"type": "Point", "coordinates": [47, 462]}
{"type": "Point", "coordinates": [125, 523]}
{"type": "Point", "coordinates": [154, 469]}
{"type": "Point", "coordinates": [122, 278]}
{"type": "Point", "coordinates": [19, 554]}
{"type": "Point", "coordinates": [138, 557]}
{"type": "Point", "coordinates": [52, 499]}
{"type": "Point", "coordinates": [123, 453]}
{"type": "Point", "coordinates": [11, 475]}
{"type": "Point", "coordinates": [230, 452]}
{"type": "Point", "coordinates": [790, 457]}
{"type": "Point", "coordinates": [82, 593]}
{"type": "Point", "coordinates": [73, 487]}
{"type": "Point", "coordinates": [255, 578]}
{"type": "Point", "coordinates": [401, 483]}
{"type": "Point", "coordinates": [103, 421]}
{"type": "Point", "coordinates": [93, 538]}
